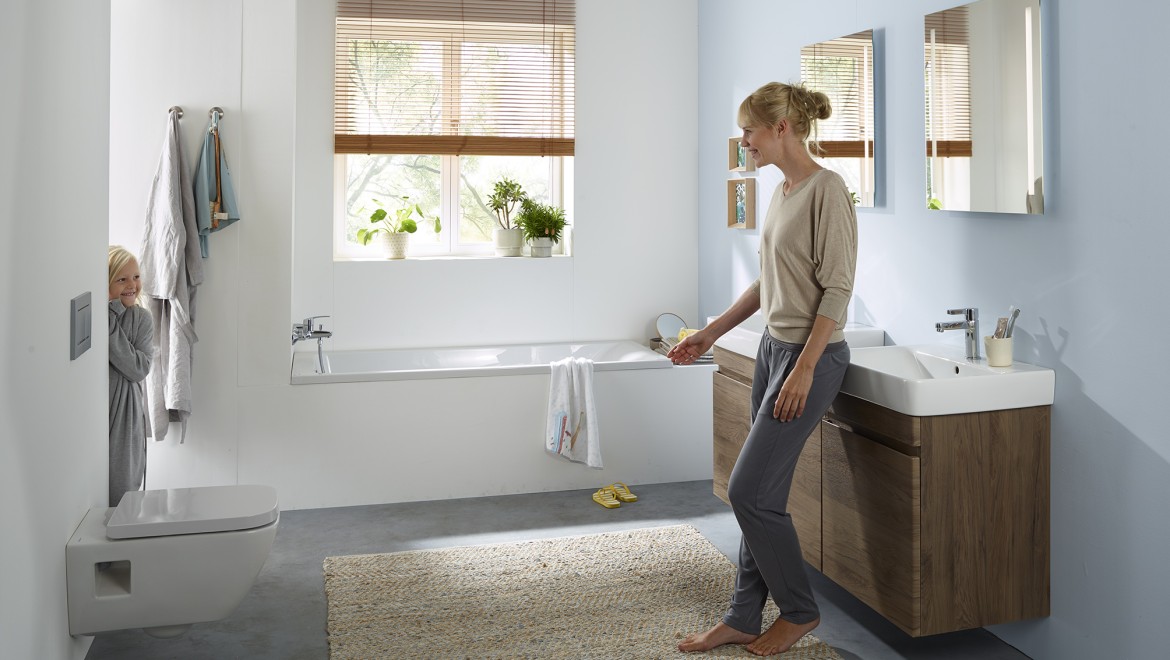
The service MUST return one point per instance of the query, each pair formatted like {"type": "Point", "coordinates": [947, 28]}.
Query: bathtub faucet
{"type": "Point", "coordinates": [970, 324]}
{"type": "Point", "coordinates": [304, 330]}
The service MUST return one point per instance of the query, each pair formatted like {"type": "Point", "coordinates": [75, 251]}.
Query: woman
{"type": "Point", "coordinates": [808, 254]}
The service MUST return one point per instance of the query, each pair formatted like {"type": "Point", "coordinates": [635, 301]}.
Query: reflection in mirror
{"type": "Point", "coordinates": [843, 70]}
{"type": "Point", "coordinates": [984, 136]}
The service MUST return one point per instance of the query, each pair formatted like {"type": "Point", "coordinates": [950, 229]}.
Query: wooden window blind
{"type": "Point", "coordinates": [948, 83]}
{"type": "Point", "coordinates": [455, 77]}
{"type": "Point", "coordinates": [843, 69]}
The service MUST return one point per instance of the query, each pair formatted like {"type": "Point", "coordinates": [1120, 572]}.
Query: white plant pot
{"type": "Point", "coordinates": [509, 242]}
{"type": "Point", "coordinates": [541, 246]}
{"type": "Point", "coordinates": [395, 244]}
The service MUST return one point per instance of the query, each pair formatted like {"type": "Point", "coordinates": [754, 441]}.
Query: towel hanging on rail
{"type": "Point", "coordinates": [171, 272]}
{"type": "Point", "coordinates": [215, 196]}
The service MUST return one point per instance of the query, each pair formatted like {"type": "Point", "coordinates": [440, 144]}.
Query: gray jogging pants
{"type": "Point", "coordinates": [770, 561]}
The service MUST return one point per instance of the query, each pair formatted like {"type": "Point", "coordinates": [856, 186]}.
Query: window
{"type": "Point", "coordinates": [437, 99]}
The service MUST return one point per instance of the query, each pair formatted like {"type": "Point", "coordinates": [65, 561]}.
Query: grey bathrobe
{"type": "Point", "coordinates": [131, 351]}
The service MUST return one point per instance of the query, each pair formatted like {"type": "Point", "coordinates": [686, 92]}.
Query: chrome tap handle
{"type": "Point", "coordinates": [309, 322]}
{"type": "Point", "coordinates": [971, 313]}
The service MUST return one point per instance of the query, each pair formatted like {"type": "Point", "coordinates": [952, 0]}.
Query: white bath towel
{"type": "Point", "coordinates": [172, 268]}
{"type": "Point", "coordinates": [572, 413]}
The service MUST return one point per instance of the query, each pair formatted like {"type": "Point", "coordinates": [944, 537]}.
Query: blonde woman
{"type": "Point", "coordinates": [808, 255]}
{"type": "Point", "coordinates": [131, 351]}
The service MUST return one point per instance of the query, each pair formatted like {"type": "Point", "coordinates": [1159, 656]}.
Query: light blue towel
{"type": "Point", "coordinates": [206, 189]}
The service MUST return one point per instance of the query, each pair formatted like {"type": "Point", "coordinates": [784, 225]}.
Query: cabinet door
{"type": "Point", "coordinates": [870, 523]}
{"type": "Point", "coordinates": [732, 401]}
{"type": "Point", "coordinates": [804, 503]}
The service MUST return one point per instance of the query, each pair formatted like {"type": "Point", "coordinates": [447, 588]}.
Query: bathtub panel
{"type": "Point", "coordinates": [343, 444]}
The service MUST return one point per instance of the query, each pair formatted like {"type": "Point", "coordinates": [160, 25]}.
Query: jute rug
{"type": "Point", "coordinates": [632, 594]}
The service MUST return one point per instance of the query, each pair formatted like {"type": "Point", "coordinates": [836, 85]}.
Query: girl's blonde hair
{"type": "Point", "coordinates": [119, 257]}
{"type": "Point", "coordinates": [775, 101]}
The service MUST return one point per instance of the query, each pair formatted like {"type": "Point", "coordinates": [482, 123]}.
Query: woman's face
{"type": "Point", "coordinates": [126, 283]}
{"type": "Point", "coordinates": [762, 143]}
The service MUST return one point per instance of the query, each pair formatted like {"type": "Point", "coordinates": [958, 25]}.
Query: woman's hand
{"type": "Point", "coordinates": [690, 348]}
{"type": "Point", "coordinates": [793, 393]}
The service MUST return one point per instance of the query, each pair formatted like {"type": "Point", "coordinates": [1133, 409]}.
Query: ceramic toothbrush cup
{"type": "Point", "coordinates": [999, 351]}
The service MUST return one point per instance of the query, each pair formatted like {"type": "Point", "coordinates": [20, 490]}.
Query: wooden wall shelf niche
{"type": "Point", "coordinates": [741, 203]}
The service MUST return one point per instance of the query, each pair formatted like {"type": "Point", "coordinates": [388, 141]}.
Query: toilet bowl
{"type": "Point", "coordinates": [165, 559]}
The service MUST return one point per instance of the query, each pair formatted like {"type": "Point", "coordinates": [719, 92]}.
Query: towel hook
{"type": "Point", "coordinates": [176, 109]}
{"type": "Point", "coordinates": [215, 111]}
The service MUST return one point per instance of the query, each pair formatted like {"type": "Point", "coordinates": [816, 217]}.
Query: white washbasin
{"type": "Point", "coordinates": [940, 380]}
{"type": "Point", "coordinates": [744, 339]}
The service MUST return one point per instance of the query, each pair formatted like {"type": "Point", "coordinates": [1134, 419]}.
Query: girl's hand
{"type": "Point", "coordinates": [793, 394]}
{"type": "Point", "coordinates": [690, 348]}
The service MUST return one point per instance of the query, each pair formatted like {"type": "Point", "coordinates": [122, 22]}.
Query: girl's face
{"type": "Point", "coordinates": [126, 284]}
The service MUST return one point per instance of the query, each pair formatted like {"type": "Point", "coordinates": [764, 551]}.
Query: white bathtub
{"type": "Point", "coordinates": [418, 363]}
{"type": "Point", "coordinates": [405, 425]}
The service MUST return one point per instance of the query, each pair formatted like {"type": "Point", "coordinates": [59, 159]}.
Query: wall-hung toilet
{"type": "Point", "coordinates": [165, 559]}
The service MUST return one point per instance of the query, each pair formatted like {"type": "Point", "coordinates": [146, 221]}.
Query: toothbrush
{"type": "Point", "coordinates": [1011, 324]}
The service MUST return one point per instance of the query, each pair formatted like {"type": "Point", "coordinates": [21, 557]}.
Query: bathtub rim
{"type": "Point", "coordinates": [308, 376]}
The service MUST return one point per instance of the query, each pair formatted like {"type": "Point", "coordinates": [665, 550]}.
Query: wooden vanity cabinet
{"type": "Point", "coordinates": [732, 404]}
{"type": "Point", "coordinates": [938, 523]}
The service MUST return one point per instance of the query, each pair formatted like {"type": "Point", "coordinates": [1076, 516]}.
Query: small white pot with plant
{"type": "Point", "coordinates": [543, 225]}
{"type": "Point", "coordinates": [396, 229]}
{"type": "Point", "coordinates": [508, 237]}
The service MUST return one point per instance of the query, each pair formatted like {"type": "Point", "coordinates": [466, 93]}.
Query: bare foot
{"type": "Point", "coordinates": [718, 636]}
{"type": "Point", "coordinates": [781, 636]}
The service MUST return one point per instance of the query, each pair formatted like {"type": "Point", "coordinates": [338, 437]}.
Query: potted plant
{"type": "Point", "coordinates": [509, 239]}
{"type": "Point", "coordinates": [397, 228]}
{"type": "Point", "coordinates": [543, 225]}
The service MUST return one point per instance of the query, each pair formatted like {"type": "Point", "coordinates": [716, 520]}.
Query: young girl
{"type": "Point", "coordinates": [131, 350]}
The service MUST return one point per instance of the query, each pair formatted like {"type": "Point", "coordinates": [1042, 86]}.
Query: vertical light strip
{"type": "Point", "coordinates": [1031, 99]}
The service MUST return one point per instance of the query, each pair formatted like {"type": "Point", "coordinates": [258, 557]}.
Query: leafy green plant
{"type": "Point", "coordinates": [933, 204]}
{"type": "Point", "coordinates": [402, 221]}
{"type": "Point", "coordinates": [540, 220]}
{"type": "Point", "coordinates": [506, 194]}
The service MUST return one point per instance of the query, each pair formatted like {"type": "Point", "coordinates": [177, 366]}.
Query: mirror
{"type": "Point", "coordinates": [668, 326]}
{"type": "Point", "coordinates": [843, 69]}
{"type": "Point", "coordinates": [984, 136]}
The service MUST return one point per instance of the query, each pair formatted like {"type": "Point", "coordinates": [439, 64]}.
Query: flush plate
{"type": "Point", "coordinates": [80, 325]}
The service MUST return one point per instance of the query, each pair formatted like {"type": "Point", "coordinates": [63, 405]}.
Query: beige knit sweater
{"type": "Point", "coordinates": [808, 255]}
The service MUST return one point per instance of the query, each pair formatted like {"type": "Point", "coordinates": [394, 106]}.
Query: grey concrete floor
{"type": "Point", "coordinates": [283, 618]}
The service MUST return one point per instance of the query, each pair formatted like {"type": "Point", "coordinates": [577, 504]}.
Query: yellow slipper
{"type": "Point", "coordinates": [622, 492]}
{"type": "Point", "coordinates": [605, 497]}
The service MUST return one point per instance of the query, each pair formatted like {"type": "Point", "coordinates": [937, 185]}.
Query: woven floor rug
{"type": "Point", "coordinates": [632, 594]}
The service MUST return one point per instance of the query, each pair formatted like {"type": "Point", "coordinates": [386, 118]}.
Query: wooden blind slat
{"type": "Point", "coordinates": [475, 73]}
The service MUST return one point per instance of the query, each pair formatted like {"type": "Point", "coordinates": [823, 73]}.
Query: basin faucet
{"type": "Point", "coordinates": [970, 324]}
{"type": "Point", "coordinates": [304, 330]}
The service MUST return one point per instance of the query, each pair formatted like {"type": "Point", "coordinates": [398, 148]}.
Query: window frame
{"type": "Point", "coordinates": [453, 26]}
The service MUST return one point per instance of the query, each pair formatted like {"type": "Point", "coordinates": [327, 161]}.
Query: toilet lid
{"type": "Point", "coordinates": [192, 511]}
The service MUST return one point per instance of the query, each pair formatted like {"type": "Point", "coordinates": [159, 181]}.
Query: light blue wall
{"type": "Point", "coordinates": [1088, 274]}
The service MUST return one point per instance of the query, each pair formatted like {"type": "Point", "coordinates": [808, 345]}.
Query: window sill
{"type": "Point", "coordinates": [447, 257]}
